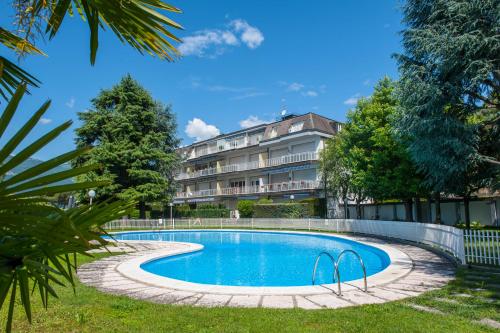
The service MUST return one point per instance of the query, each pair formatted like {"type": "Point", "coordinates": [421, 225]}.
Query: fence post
{"type": "Point", "coordinates": [309, 224]}
{"type": "Point", "coordinates": [461, 246]}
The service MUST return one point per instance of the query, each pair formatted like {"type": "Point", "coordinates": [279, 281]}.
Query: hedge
{"type": "Point", "coordinates": [203, 211]}
{"type": "Point", "coordinates": [292, 210]}
{"type": "Point", "coordinates": [317, 206]}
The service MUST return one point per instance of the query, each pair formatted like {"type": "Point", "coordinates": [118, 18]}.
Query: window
{"type": "Point", "coordinates": [295, 127]}
{"type": "Point", "coordinates": [274, 132]}
{"type": "Point", "coordinates": [255, 182]}
{"type": "Point", "coordinates": [238, 183]}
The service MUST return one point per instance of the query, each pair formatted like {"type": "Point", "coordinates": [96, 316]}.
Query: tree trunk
{"type": "Point", "coordinates": [395, 212]}
{"type": "Point", "coordinates": [408, 210]}
{"type": "Point", "coordinates": [438, 209]}
{"type": "Point", "coordinates": [429, 209]}
{"type": "Point", "coordinates": [346, 208]}
{"type": "Point", "coordinates": [142, 210]}
{"type": "Point", "coordinates": [418, 210]}
{"type": "Point", "coordinates": [358, 209]}
{"type": "Point", "coordinates": [467, 211]}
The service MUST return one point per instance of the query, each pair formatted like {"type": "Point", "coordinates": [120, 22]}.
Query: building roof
{"type": "Point", "coordinates": [312, 121]}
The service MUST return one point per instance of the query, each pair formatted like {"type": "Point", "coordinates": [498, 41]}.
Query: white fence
{"type": "Point", "coordinates": [443, 237]}
{"type": "Point", "coordinates": [482, 246]}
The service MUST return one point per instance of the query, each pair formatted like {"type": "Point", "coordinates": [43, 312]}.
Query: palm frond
{"type": "Point", "coordinates": [18, 44]}
{"type": "Point", "coordinates": [36, 238]}
{"type": "Point", "coordinates": [11, 76]}
{"type": "Point", "coordinates": [138, 23]}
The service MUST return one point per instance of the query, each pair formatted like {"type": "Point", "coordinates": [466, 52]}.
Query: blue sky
{"type": "Point", "coordinates": [243, 61]}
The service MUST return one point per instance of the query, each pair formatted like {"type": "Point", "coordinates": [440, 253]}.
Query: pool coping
{"type": "Point", "coordinates": [401, 265]}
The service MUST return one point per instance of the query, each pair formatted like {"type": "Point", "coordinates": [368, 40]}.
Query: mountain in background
{"type": "Point", "coordinates": [31, 162]}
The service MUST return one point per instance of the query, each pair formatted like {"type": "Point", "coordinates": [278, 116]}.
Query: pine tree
{"type": "Point", "coordinates": [134, 139]}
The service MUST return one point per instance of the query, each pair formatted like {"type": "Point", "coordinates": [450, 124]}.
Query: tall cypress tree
{"type": "Point", "coordinates": [134, 139]}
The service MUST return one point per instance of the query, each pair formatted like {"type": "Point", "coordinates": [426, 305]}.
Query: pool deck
{"type": "Point", "coordinates": [413, 270]}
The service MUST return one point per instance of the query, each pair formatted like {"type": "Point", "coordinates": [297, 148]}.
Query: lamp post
{"type": "Point", "coordinates": [91, 194]}
{"type": "Point", "coordinates": [292, 197]}
{"type": "Point", "coordinates": [171, 204]}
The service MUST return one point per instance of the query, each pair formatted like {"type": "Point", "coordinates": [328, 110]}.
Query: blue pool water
{"type": "Point", "coordinates": [245, 258]}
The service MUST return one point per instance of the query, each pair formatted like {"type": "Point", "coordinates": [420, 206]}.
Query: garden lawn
{"type": "Point", "coordinates": [473, 296]}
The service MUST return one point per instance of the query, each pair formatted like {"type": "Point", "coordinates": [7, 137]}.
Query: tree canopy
{"type": "Point", "coordinates": [134, 139]}
{"type": "Point", "coordinates": [367, 158]}
{"type": "Point", "coordinates": [449, 89]}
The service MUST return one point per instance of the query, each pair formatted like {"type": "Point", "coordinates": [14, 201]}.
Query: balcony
{"type": "Point", "coordinates": [297, 185]}
{"type": "Point", "coordinates": [287, 159]}
{"type": "Point", "coordinates": [223, 145]}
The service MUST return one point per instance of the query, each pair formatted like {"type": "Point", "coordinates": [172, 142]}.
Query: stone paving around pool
{"type": "Point", "coordinates": [428, 271]}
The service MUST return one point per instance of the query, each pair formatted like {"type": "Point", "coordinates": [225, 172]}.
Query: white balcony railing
{"type": "Point", "coordinates": [223, 145]}
{"type": "Point", "coordinates": [287, 159]}
{"type": "Point", "coordinates": [268, 188]}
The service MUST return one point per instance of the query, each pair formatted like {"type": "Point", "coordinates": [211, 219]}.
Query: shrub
{"type": "Point", "coordinates": [245, 207]}
{"type": "Point", "coordinates": [473, 225]}
{"type": "Point", "coordinates": [281, 210]}
{"type": "Point", "coordinates": [265, 201]}
{"type": "Point", "coordinates": [202, 211]}
{"type": "Point", "coordinates": [317, 206]}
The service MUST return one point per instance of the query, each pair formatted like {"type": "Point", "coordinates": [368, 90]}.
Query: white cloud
{"type": "Point", "coordinates": [352, 100]}
{"type": "Point", "coordinates": [252, 121]}
{"type": "Point", "coordinates": [249, 95]}
{"type": "Point", "coordinates": [200, 130]}
{"type": "Point", "coordinates": [295, 86]}
{"type": "Point", "coordinates": [310, 93]}
{"type": "Point", "coordinates": [214, 42]}
{"type": "Point", "coordinates": [71, 103]}
{"type": "Point", "coordinates": [45, 121]}
{"type": "Point", "coordinates": [251, 36]}
{"type": "Point", "coordinates": [219, 88]}
{"type": "Point", "coordinates": [202, 41]}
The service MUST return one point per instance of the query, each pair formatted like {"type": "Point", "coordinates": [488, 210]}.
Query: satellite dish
{"type": "Point", "coordinates": [283, 112]}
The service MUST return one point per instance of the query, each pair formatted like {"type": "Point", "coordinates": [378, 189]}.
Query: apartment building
{"type": "Point", "coordinates": [277, 161]}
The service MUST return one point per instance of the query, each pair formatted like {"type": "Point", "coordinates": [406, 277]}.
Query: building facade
{"type": "Point", "coordinates": [278, 161]}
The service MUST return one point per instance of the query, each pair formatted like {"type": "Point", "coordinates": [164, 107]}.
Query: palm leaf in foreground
{"type": "Point", "coordinates": [36, 238]}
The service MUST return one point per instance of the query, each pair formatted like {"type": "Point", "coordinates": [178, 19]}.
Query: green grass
{"type": "Point", "coordinates": [92, 311]}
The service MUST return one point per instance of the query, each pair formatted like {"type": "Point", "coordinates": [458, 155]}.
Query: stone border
{"type": "Point", "coordinates": [400, 265]}
{"type": "Point", "coordinates": [415, 270]}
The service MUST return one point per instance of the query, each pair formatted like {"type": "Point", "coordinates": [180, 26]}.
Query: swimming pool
{"type": "Point", "coordinates": [258, 259]}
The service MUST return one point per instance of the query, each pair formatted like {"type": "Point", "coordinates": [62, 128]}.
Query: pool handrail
{"type": "Point", "coordinates": [337, 273]}
{"type": "Point", "coordinates": [334, 263]}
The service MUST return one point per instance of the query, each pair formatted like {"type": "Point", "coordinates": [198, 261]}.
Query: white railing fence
{"type": "Point", "coordinates": [482, 246]}
{"type": "Point", "coordinates": [276, 161]}
{"type": "Point", "coordinates": [446, 238]}
{"type": "Point", "coordinates": [295, 185]}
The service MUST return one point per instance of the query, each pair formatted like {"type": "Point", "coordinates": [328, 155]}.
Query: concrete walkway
{"type": "Point", "coordinates": [429, 271]}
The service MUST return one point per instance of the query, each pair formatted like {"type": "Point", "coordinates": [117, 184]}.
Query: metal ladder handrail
{"type": "Point", "coordinates": [334, 263]}
{"type": "Point", "coordinates": [337, 273]}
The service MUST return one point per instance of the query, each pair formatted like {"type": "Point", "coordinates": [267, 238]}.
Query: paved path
{"type": "Point", "coordinates": [430, 271]}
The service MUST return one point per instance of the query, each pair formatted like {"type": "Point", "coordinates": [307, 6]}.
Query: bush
{"type": "Point", "coordinates": [210, 213]}
{"type": "Point", "coordinates": [317, 206]}
{"type": "Point", "coordinates": [202, 211]}
{"type": "Point", "coordinates": [473, 225]}
{"type": "Point", "coordinates": [245, 207]}
{"type": "Point", "coordinates": [281, 210]}
{"type": "Point", "coordinates": [265, 201]}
